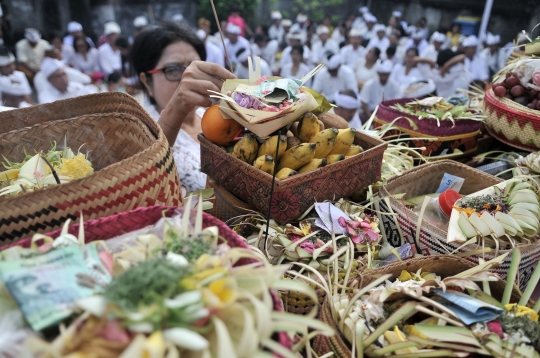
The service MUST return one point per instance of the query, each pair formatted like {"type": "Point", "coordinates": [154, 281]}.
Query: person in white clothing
{"type": "Point", "coordinates": [85, 58]}
{"type": "Point", "coordinates": [296, 69]}
{"type": "Point", "coordinates": [348, 107]}
{"type": "Point", "coordinates": [75, 29]}
{"type": "Point", "coordinates": [398, 16]}
{"type": "Point", "coordinates": [15, 90]}
{"type": "Point", "coordinates": [324, 47]}
{"type": "Point", "coordinates": [378, 89]}
{"type": "Point", "coordinates": [379, 40]}
{"type": "Point", "coordinates": [275, 31]}
{"type": "Point", "coordinates": [333, 78]}
{"type": "Point", "coordinates": [242, 70]}
{"type": "Point", "coordinates": [359, 22]}
{"type": "Point", "coordinates": [110, 57]}
{"type": "Point", "coordinates": [266, 50]}
{"type": "Point", "coordinates": [446, 72]}
{"type": "Point", "coordinates": [475, 65]}
{"type": "Point", "coordinates": [234, 42]}
{"type": "Point", "coordinates": [213, 53]}
{"type": "Point", "coordinates": [371, 21]}
{"type": "Point", "coordinates": [294, 39]}
{"type": "Point", "coordinates": [407, 72]}
{"type": "Point", "coordinates": [139, 24]}
{"type": "Point", "coordinates": [338, 35]}
{"type": "Point", "coordinates": [493, 55]}
{"type": "Point", "coordinates": [366, 67]}
{"type": "Point", "coordinates": [30, 52]}
{"type": "Point", "coordinates": [65, 50]}
{"type": "Point", "coordinates": [74, 75]}
{"type": "Point", "coordinates": [354, 50]}
{"type": "Point", "coordinates": [59, 86]}
{"type": "Point", "coordinates": [432, 50]}
{"type": "Point", "coordinates": [301, 24]}
{"type": "Point", "coordinates": [417, 41]}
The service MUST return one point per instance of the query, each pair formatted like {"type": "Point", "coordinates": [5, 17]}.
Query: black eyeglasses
{"type": "Point", "coordinates": [172, 73]}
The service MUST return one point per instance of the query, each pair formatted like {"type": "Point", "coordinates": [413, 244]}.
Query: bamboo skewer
{"type": "Point", "coordinates": [221, 35]}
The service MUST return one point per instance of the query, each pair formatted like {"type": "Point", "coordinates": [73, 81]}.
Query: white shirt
{"type": "Point", "coordinates": [494, 62]}
{"type": "Point", "coordinates": [297, 28]}
{"type": "Point", "coordinates": [359, 24]}
{"type": "Point", "coordinates": [320, 50]}
{"type": "Point", "coordinates": [373, 92]}
{"type": "Point", "coordinates": [355, 122]}
{"type": "Point", "coordinates": [337, 36]}
{"type": "Point", "coordinates": [421, 45]}
{"type": "Point", "coordinates": [214, 54]}
{"type": "Point", "coordinates": [430, 53]}
{"type": "Point", "coordinates": [447, 85]}
{"type": "Point", "coordinates": [276, 32]}
{"type": "Point", "coordinates": [242, 72]}
{"type": "Point", "coordinates": [268, 53]}
{"type": "Point", "coordinates": [87, 65]}
{"type": "Point", "coordinates": [476, 69]}
{"type": "Point", "coordinates": [233, 48]}
{"type": "Point", "coordinates": [286, 56]}
{"type": "Point", "coordinates": [351, 56]}
{"type": "Point", "coordinates": [328, 86]}
{"type": "Point", "coordinates": [68, 40]}
{"type": "Point", "coordinates": [67, 52]}
{"type": "Point", "coordinates": [364, 74]}
{"type": "Point", "coordinates": [381, 44]}
{"type": "Point", "coordinates": [403, 79]}
{"type": "Point", "coordinates": [74, 75]}
{"type": "Point", "coordinates": [31, 55]}
{"type": "Point", "coordinates": [186, 153]}
{"type": "Point", "coordinates": [109, 60]}
{"type": "Point", "coordinates": [369, 34]}
{"type": "Point", "coordinates": [303, 69]}
{"type": "Point", "coordinates": [51, 94]}
{"type": "Point", "coordinates": [15, 84]}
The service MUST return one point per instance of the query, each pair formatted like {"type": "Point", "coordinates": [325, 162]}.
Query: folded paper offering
{"type": "Point", "coordinates": [264, 105]}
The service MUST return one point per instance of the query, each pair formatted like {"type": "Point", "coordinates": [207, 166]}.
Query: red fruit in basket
{"type": "Point", "coordinates": [499, 91]}
{"type": "Point", "coordinates": [533, 94]}
{"type": "Point", "coordinates": [531, 106]}
{"type": "Point", "coordinates": [534, 103]}
{"type": "Point", "coordinates": [517, 91]}
{"type": "Point", "coordinates": [512, 81]}
{"type": "Point", "coordinates": [536, 78]}
{"type": "Point", "coordinates": [523, 100]}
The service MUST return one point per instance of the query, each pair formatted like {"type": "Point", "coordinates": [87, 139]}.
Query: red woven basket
{"type": "Point", "coordinates": [115, 225]}
{"type": "Point", "coordinates": [449, 136]}
{"type": "Point", "coordinates": [511, 123]}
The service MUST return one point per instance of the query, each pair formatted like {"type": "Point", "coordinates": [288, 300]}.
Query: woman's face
{"type": "Point", "coordinates": [370, 55]}
{"type": "Point", "coordinates": [296, 57]}
{"type": "Point", "coordinates": [178, 53]}
{"type": "Point", "coordinates": [409, 58]}
{"type": "Point", "coordinates": [81, 46]}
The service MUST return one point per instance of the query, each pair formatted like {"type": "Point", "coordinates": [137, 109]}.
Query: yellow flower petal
{"type": "Point", "coordinates": [224, 289]}
{"type": "Point", "coordinates": [523, 311]}
{"type": "Point", "coordinates": [405, 276]}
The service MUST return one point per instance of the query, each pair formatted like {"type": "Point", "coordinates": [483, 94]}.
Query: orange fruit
{"type": "Point", "coordinates": [217, 129]}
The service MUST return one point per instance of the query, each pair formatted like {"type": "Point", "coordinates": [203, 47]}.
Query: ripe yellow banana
{"type": "Point", "coordinates": [353, 150]}
{"type": "Point", "coordinates": [246, 149]}
{"type": "Point", "coordinates": [325, 141]}
{"type": "Point", "coordinates": [308, 127]}
{"type": "Point", "coordinates": [344, 141]}
{"type": "Point", "coordinates": [298, 156]}
{"type": "Point", "coordinates": [265, 163]}
{"type": "Point", "coordinates": [333, 158]}
{"type": "Point", "coordinates": [269, 146]}
{"type": "Point", "coordinates": [285, 173]}
{"type": "Point", "coordinates": [312, 165]}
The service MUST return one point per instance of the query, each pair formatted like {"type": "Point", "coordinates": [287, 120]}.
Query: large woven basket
{"type": "Point", "coordinates": [512, 123]}
{"type": "Point", "coordinates": [425, 179]}
{"type": "Point", "coordinates": [442, 265]}
{"type": "Point", "coordinates": [115, 225]}
{"type": "Point", "coordinates": [130, 154]}
{"type": "Point", "coordinates": [445, 136]}
{"type": "Point", "coordinates": [226, 205]}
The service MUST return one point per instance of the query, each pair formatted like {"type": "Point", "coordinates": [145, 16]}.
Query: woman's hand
{"type": "Point", "coordinates": [192, 92]}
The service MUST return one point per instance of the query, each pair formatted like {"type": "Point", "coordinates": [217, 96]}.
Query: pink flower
{"type": "Point", "coordinates": [37, 174]}
{"type": "Point", "coordinates": [306, 244]}
{"type": "Point", "coordinates": [262, 79]}
{"type": "Point", "coordinates": [495, 327]}
{"type": "Point", "coordinates": [360, 232]}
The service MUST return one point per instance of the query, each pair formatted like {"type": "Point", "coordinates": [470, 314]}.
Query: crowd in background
{"type": "Point", "coordinates": [365, 61]}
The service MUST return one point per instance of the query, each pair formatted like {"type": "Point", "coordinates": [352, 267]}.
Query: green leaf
{"type": "Point", "coordinates": [448, 334]}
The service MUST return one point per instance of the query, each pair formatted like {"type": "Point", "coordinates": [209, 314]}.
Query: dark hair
{"type": "Point", "coordinates": [412, 49]}
{"type": "Point", "coordinates": [349, 93]}
{"type": "Point", "coordinates": [456, 24]}
{"type": "Point", "coordinates": [298, 48]}
{"type": "Point", "coordinates": [259, 38]}
{"type": "Point", "coordinates": [114, 77]}
{"type": "Point", "coordinates": [4, 51]}
{"type": "Point", "coordinates": [82, 38]}
{"type": "Point", "coordinates": [234, 8]}
{"type": "Point", "coordinates": [391, 50]}
{"type": "Point", "coordinates": [56, 35]}
{"type": "Point", "coordinates": [445, 56]}
{"type": "Point", "coordinates": [240, 51]}
{"type": "Point", "coordinates": [152, 41]}
{"type": "Point", "coordinates": [122, 42]}
{"type": "Point", "coordinates": [377, 51]}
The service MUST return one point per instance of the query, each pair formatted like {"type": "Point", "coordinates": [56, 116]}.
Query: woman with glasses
{"type": "Point", "coordinates": [85, 58]}
{"type": "Point", "coordinates": [169, 61]}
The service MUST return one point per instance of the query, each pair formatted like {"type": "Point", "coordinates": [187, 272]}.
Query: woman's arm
{"type": "Point", "coordinates": [453, 61]}
{"type": "Point", "coordinates": [426, 61]}
{"type": "Point", "coordinates": [192, 92]}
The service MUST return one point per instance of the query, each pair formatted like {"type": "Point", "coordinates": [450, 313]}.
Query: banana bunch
{"type": "Point", "coordinates": [521, 219]}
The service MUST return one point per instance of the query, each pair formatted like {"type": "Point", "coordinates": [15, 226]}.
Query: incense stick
{"type": "Point", "coordinates": [221, 34]}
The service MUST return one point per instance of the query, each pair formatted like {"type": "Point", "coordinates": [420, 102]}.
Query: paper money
{"type": "Point", "coordinates": [469, 309]}
{"type": "Point", "coordinates": [46, 286]}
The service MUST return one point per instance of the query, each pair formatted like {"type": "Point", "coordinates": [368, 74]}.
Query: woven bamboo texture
{"type": "Point", "coordinates": [226, 205]}
{"type": "Point", "coordinates": [293, 196]}
{"type": "Point", "coordinates": [133, 163]}
{"type": "Point", "coordinates": [442, 265]}
{"type": "Point", "coordinates": [115, 225]}
{"type": "Point", "coordinates": [425, 179]}
{"type": "Point", "coordinates": [512, 123]}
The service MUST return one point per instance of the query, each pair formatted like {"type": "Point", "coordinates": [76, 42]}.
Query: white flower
{"type": "Point", "coordinates": [12, 334]}
{"type": "Point", "coordinates": [185, 338]}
